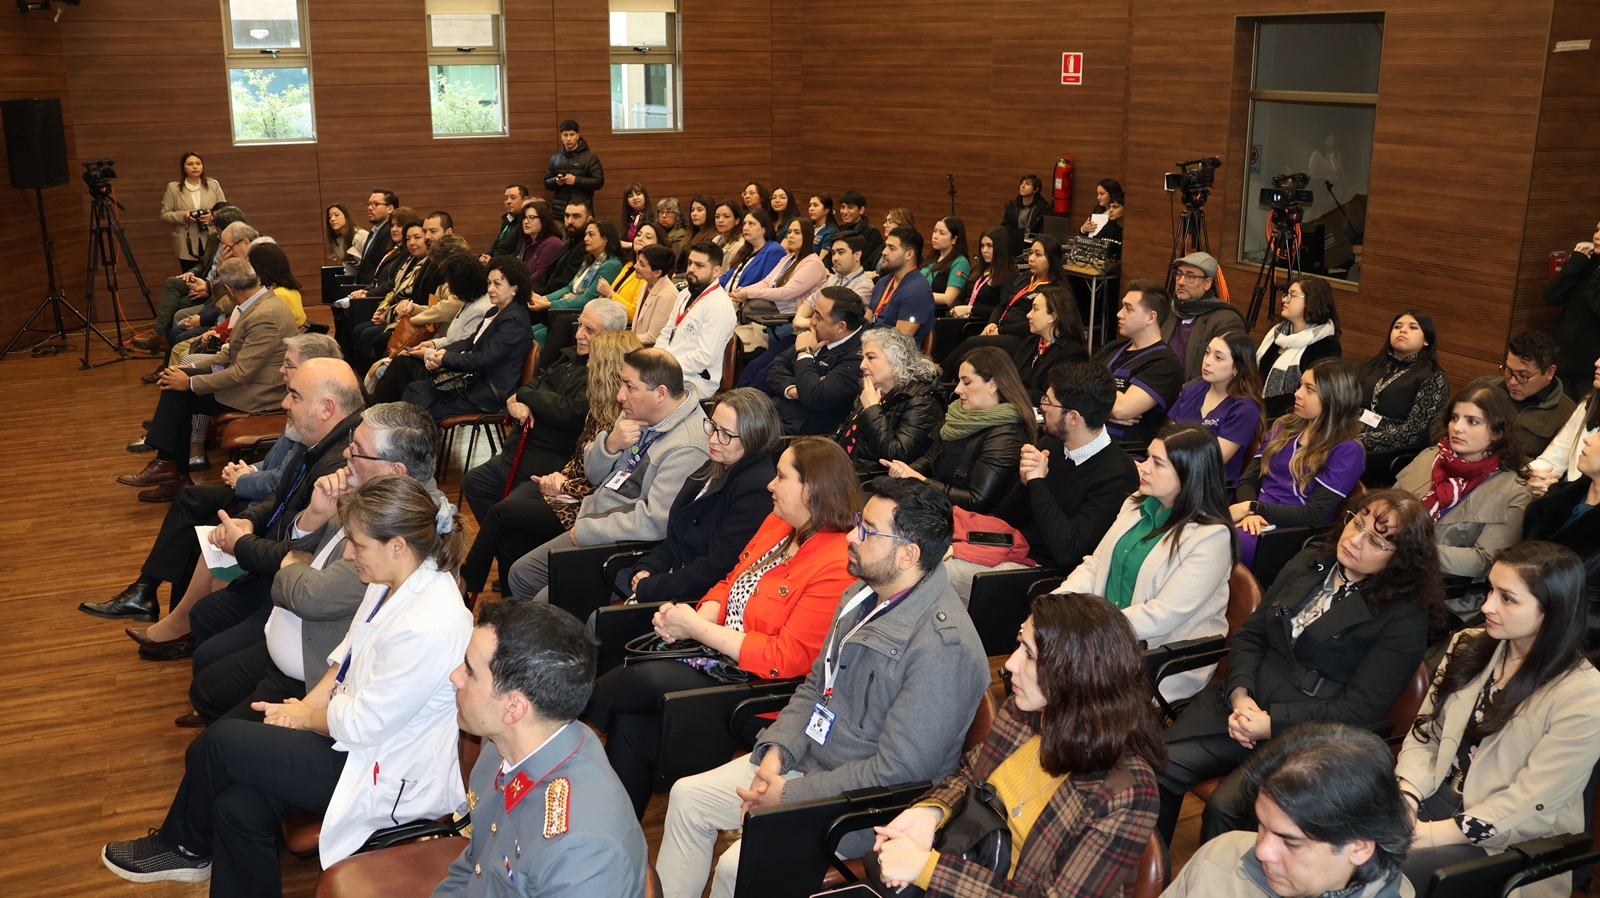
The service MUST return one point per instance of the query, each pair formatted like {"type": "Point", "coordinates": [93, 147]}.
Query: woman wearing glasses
{"type": "Point", "coordinates": [1311, 459]}
{"type": "Point", "coordinates": [1337, 638]}
{"type": "Point", "coordinates": [769, 614]}
{"type": "Point", "coordinates": [1509, 735]}
{"type": "Point", "coordinates": [1307, 332]}
{"type": "Point", "coordinates": [1474, 482]}
{"type": "Point", "coordinates": [720, 506]}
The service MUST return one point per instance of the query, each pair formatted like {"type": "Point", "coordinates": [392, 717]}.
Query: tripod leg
{"type": "Point", "coordinates": [133, 265]}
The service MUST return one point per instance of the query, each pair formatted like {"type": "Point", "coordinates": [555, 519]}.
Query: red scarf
{"type": "Point", "coordinates": [1454, 477]}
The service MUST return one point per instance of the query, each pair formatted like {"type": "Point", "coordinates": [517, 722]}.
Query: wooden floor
{"type": "Point", "coordinates": [87, 746]}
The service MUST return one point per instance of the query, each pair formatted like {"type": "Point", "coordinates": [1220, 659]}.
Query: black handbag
{"type": "Point", "coordinates": [978, 833]}
{"type": "Point", "coordinates": [651, 647]}
{"type": "Point", "coordinates": [451, 383]}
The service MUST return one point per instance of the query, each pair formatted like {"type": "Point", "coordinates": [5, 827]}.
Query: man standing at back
{"type": "Point", "coordinates": [888, 700]}
{"type": "Point", "coordinates": [574, 172]}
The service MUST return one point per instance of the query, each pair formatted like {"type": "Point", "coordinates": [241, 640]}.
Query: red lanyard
{"type": "Point", "coordinates": [888, 294]}
{"type": "Point", "coordinates": [679, 320]}
{"type": "Point", "coordinates": [1032, 285]}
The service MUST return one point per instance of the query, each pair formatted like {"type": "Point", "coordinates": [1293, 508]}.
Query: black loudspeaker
{"type": "Point", "coordinates": [36, 143]}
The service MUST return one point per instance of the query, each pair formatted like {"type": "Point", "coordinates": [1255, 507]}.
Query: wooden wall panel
{"type": "Point", "coordinates": [31, 66]}
{"type": "Point", "coordinates": [1564, 196]}
{"type": "Point", "coordinates": [1453, 151]}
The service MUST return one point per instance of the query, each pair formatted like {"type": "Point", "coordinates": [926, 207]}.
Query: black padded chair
{"type": "Point", "coordinates": [999, 604]}
{"type": "Point", "coordinates": [577, 581]}
{"type": "Point", "coordinates": [697, 726]}
{"type": "Point", "coordinates": [785, 851]}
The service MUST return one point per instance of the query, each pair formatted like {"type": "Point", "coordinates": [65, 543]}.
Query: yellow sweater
{"type": "Point", "coordinates": [1009, 781]}
{"type": "Point", "coordinates": [627, 289]}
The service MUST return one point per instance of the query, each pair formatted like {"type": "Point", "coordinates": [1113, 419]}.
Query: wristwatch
{"type": "Point", "coordinates": [1255, 507]}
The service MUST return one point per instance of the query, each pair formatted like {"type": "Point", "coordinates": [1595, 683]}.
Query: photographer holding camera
{"type": "Point", "coordinates": [187, 207]}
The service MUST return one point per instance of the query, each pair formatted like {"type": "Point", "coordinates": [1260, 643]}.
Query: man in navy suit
{"type": "Point", "coordinates": [817, 380]}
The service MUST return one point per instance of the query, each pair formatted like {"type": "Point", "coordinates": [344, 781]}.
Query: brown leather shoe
{"type": "Point", "coordinates": [165, 492]}
{"type": "Point", "coordinates": [191, 721]}
{"type": "Point", "coordinates": [138, 634]}
{"type": "Point", "coordinates": [157, 471]}
{"type": "Point", "coordinates": [149, 342]}
{"type": "Point", "coordinates": [153, 376]}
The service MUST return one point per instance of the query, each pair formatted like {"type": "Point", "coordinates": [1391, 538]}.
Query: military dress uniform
{"type": "Point", "coordinates": [559, 823]}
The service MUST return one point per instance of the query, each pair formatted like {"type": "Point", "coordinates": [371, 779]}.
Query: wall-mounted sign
{"type": "Point", "coordinates": [1072, 68]}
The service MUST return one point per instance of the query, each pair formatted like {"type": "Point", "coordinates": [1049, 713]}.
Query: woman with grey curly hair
{"type": "Point", "coordinates": [899, 410]}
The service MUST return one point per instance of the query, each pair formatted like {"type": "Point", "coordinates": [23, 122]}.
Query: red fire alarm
{"type": "Point", "coordinates": [1072, 68]}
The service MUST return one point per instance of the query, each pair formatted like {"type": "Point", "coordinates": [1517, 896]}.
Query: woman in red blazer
{"type": "Point", "coordinates": [769, 615]}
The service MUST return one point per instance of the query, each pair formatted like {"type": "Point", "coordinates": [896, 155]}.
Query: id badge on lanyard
{"type": "Point", "coordinates": [821, 721]}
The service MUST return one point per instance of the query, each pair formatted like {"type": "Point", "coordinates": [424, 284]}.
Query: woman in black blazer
{"type": "Point", "coordinates": [1337, 638]}
{"type": "Point", "coordinates": [1007, 326]}
{"type": "Point", "coordinates": [492, 358]}
{"type": "Point", "coordinates": [974, 456]}
{"type": "Point", "coordinates": [1057, 330]}
{"type": "Point", "coordinates": [1569, 515]}
{"type": "Point", "coordinates": [720, 507]}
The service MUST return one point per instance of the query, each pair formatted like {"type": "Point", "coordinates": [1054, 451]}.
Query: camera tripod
{"type": "Point", "coordinates": [56, 341]}
{"type": "Point", "coordinates": [1284, 244]}
{"type": "Point", "coordinates": [1189, 234]}
{"type": "Point", "coordinates": [105, 236]}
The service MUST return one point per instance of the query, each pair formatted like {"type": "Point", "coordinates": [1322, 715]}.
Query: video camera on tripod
{"type": "Point", "coordinates": [1195, 178]}
{"type": "Point", "coordinates": [1282, 197]}
{"type": "Point", "coordinates": [98, 175]}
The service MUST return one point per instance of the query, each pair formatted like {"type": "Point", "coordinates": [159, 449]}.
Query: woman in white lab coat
{"type": "Point", "coordinates": [372, 746]}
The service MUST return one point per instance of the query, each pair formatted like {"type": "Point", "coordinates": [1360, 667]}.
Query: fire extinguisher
{"type": "Point", "coordinates": [1063, 188]}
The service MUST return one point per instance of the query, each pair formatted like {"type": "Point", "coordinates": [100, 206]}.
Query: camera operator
{"type": "Point", "coordinates": [187, 207]}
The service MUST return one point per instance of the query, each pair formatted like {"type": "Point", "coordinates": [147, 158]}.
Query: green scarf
{"type": "Point", "coordinates": [960, 423]}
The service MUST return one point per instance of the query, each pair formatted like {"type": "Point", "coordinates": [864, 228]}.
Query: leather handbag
{"type": "Point", "coordinates": [406, 335]}
{"type": "Point", "coordinates": [978, 833]}
{"type": "Point", "coordinates": [651, 647]}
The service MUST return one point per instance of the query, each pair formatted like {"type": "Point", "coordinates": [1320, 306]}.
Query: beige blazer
{"type": "Point", "coordinates": [1528, 779]}
{"type": "Point", "coordinates": [188, 238]}
{"type": "Point", "coordinates": [1472, 533]}
{"type": "Point", "coordinates": [250, 380]}
{"type": "Point", "coordinates": [1175, 596]}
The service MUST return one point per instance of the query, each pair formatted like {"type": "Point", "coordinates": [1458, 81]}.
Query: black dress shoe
{"type": "Point", "coordinates": [192, 720]}
{"type": "Point", "coordinates": [137, 602]}
{"type": "Point", "coordinates": [175, 652]}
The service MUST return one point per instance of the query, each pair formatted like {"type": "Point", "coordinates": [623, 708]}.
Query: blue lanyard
{"type": "Point", "coordinates": [344, 666]}
{"type": "Point", "coordinates": [639, 449]}
{"type": "Point", "coordinates": [283, 503]}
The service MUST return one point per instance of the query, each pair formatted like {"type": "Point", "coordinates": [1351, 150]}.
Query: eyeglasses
{"type": "Point", "coordinates": [1294, 296]}
{"type": "Point", "coordinates": [863, 531]}
{"type": "Point", "coordinates": [1520, 377]}
{"type": "Point", "coordinates": [1044, 403]}
{"type": "Point", "coordinates": [1190, 277]}
{"type": "Point", "coordinates": [350, 452]}
{"type": "Point", "coordinates": [1377, 542]}
{"type": "Point", "coordinates": [722, 436]}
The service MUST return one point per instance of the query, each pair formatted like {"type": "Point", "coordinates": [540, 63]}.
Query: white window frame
{"type": "Point", "coordinates": [236, 59]}
{"type": "Point", "coordinates": [671, 54]}
{"type": "Point", "coordinates": [493, 54]}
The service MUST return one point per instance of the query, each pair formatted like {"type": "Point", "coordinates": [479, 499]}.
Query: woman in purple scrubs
{"type": "Point", "coordinates": [1226, 398]}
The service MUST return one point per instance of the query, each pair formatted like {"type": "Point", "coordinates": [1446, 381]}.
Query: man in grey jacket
{"type": "Point", "coordinates": [315, 594]}
{"type": "Point", "coordinates": [889, 699]}
{"type": "Point", "coordinates": [639, 465]}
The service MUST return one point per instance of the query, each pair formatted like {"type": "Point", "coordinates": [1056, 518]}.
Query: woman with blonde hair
{"type": "Point", "coordinates": [511, 528]}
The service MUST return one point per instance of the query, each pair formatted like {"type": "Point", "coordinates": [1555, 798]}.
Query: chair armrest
{"type": "Point", "coordinates": [618, 563]}
{"type": "Point", "coordinates": [1179, 657]}
{"type": "Point", "coordinates": [575, 576]}
{"type": "Point", "coordinates": [999, 604]}
{"type": "Point", "coordinates": [746, 721]}
{"type": "Point", "coordinates": [1275, 547]}
{"type": "Point", "coordinates": [614, 625]}
{"type": "Point", "coordinates": [695, 731]}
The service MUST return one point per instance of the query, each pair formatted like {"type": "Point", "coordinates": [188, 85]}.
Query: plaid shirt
{"type": "Point", "coordinates": [1085, 843]}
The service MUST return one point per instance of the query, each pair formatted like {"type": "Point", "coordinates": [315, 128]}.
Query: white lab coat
{"type": "Point", "coordinates": [395, 712]}
{"type": "Point", "coordinates": [700, 340]}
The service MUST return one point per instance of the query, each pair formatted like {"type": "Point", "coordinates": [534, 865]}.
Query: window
{"type": "Point", "coordinates": [466, 68]}
{"type": "Point", "coordinates": [644, 65]}
{"type": "Point", "coordinates": [1313, 102]}
{"type": "Point", "coordinates": [269, 71]}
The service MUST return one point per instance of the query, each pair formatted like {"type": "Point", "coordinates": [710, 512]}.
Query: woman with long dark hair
{"type": "Point", "coordinates": [974, 456]}
{"type": "Point", "coordinates": [769, 614]}
{"type": "Point", "coordinates": [1072, 755]}
{"type": "Point", "coordinates": [1474, 483]}
{"type": "Point", "coordinates": [1054, 321]}
{"type": "Point", "coordinates": [187, 207]}
{"type": "Point", "coordinates": [949, 266]}
{"type": "Point", "coordinates": [990, 270]}
{"type": "Point", "coordinates": [781, 203]}
{"type": "Point", "coordinates": [758, 254]}
{"type": "Point", "coordinates": [603, 262]}
{"type": "Point", "coordinates": [1008, 323]}
{"type": "Point", "coordinates": [1505, 743]}
{"type": "Point", "coordinates": [796, 275]}
{"type": "Point", "coordinates": [1402, 387]}
{"type": "Point", "coordinates": [538, 241]}
{"type": "Point", "coordinates": [1307, 332]}
{"type": "Point", "coordinates": [701, 224]}
{"type": "Point", "coordinates": [636, 210]}
{"type": "Point", "coordinates": [1337, 638]}
{"type": "Point", "coordinates": [823, 224]}
{"type": "Point", "coordinates": [728, 217]}
{"type": "Point", "coordinates": [1106, 193]}
{"type": "Point", "coordinates": [345, 240]}
{"type": "Point", "coordinates": [1311, 459]}
{"type": "Point", "coordinates": [1226, 398]}
{"type": "Point", "coordinates": [1167, 558]}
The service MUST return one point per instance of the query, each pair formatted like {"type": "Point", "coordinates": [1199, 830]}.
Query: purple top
{"type": "Point", "coordinates": [1234, 420]}
{"type": "Point", "coordinates": [1345, 465]}
{"type": "Point", "coordinates": [539, 256]}
{"type": "Point", "coordinates": [1179, 341]}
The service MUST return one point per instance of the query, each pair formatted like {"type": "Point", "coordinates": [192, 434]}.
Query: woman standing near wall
{"type": "Point", "coordinates": [187, 207]}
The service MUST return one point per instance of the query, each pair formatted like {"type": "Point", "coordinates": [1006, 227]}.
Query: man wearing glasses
{"type": "Point", "coordinates": [888, 700]}
{"type": "Point", "coordinates": [1529, 378]}
{"type": "Point", "coordinates": [1197, 313]}
{"type": "Point", "coordinates": [194, 286]}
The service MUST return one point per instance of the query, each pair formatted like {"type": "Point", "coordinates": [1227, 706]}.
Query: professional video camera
{"type": "Point", "coordinates": [1287, 191]}
{"type": "Point", "coordinates": [1194, 178]}
{"type": "Point", "coordinates": [98, 175]}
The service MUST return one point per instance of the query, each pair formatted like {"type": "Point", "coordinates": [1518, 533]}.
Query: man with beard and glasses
{"type": "Point", "coordinates": [701, 323]}
{"type": "Point", "coordinates": [176, 551]}
{"type": "Point", "coordinates": [1197, 313]}
{"type": "Point", "coordinates": [888, 700]}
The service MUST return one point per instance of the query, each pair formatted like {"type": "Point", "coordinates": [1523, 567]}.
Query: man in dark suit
{"type": "Point", "coordinates": [817, 380]}
{"type": "Point", "coordinates": [380, 205]}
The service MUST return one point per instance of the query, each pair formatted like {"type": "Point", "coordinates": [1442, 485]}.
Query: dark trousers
{"type": "Point", "coordinates": [1191, 762]}
{"type": "Point", "coordinates": [755, 373]}
{"type": "Point", "coordinates": [952, 362]}
{"type": "Point", "coordinates": [169, 428]}
{"type": "Point", "coordinates": [225, 689]}
{"type": "Point", "coordinates": [423, 394]}
{"type": "Point", "coordinates": [401, 373]}
{"type": "Point", "coordinates": [230, 619]}
{"type": "Point", "coordinates": [515, 526]}
{"type": "Point", "coordinates": [241, 780]}
{"type": "Point", "coordinates": [484, 485]}
{"type": "Point", "coordinates": [627, 708]}
{"type": "Point", "coordinates": [176, 551]}
{"type": "Point", "coordinates": [174, 296]}
{"type": "Point", "coordinates": [347, 320]}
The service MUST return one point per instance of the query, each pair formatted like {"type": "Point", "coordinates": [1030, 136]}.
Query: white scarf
{"type": "Point", "coordinates": [1285, 374]}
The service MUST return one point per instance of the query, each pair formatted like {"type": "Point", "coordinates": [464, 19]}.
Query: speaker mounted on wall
{"type": "Point", "coordinates": [36, 142]}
